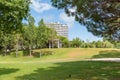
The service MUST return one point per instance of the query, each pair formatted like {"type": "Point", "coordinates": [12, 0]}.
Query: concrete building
{"type": "Point", "coordinates": [61, 29]}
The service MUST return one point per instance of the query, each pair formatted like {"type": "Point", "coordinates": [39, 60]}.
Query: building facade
{"type": "Point", "coordinates": [61, 29]}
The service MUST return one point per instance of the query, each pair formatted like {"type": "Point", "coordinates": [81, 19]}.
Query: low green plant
{"type": "Point", "coordinates": [42, 53]}
{"type": "Point", "coordinates": [13, 54]}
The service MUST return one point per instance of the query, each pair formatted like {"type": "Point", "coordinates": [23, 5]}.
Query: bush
{"type": "Point", "coordinates": [42, 53]}
{"type": "Point", "coordinates": [20, 53]}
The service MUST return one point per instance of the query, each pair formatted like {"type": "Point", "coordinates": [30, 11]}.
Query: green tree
{"type": "Point", "coordinates": [30, 33]}
{"type": "Point", "coordinates": [117, 44]}
{"type": "Point", "coordinates": [76, 42]}
{"type": "Point", "coordinates": [107, 44]}
{"type": "Point", "coordinates": [82, 44]}
{"type": "Point", "coordinates": [6, 42]}
{"type": "Point", "coordinates": [42, 34]}
{"type": "Point", "coordinates": [17, 40]}
{"type": "Point", "coordinates": [52, 35]}
{"type": "Point", "coordinates": [64, 41]}
{"type": "Point", "coordinates": [101, 17]}
{"type": "Point", "coordinates": [99, 44]}
{"type": "Point", "coordinates": [93, 44]}
{"type": "Point", "coordinates": [12, 12]}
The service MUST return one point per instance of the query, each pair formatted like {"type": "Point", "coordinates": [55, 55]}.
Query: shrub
{"type": "Point", "coordinates": [42, 53]}
{"type": "Point", "coordinates": [20, 53]}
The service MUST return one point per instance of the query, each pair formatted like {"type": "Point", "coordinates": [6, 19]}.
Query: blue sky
{"type": "Point", "coordinates": [43, 9]}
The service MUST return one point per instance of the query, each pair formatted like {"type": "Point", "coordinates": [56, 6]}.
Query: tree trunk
{"type": "Point", "coordinates": [5, 52]}
{"type": "Point", "coordinates": [17, 45]}
{"type": "Point", "coordinates": [16, 50]}
{"type": "Point", "coordinates": [30, 49]}
{"type": "Point", "coordinates": [52, 44]}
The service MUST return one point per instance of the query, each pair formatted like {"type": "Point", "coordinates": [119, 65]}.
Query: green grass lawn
{"type": "Point", "coordinates": [74, 53]}
{"type": "Point", "coordinates": [50, 68]}
{"type": "Point", "coordinates": [78, 70]}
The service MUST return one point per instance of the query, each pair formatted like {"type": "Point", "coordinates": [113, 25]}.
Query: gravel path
{"type": "Point", "coordinates": [105, 59]}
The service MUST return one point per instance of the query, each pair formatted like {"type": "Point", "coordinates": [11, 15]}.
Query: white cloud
{"type": "Point", "coordinates": [69, 20]}
{"type": "Point", "coordinates": [39, 6]}
{"type": "Point", "coordinates": [72, 9]}
{"type": "Point", "coordinates": [47, 18]}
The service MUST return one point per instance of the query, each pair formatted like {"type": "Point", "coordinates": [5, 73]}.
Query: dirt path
{"type": "Point", "coordinates": [65, 60]}
{"type": "Point", "coordinates": [105, 59]}
{"type": "Point", "coordinates": [44, 61]}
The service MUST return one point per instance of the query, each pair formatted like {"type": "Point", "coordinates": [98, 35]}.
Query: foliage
{"type": "Point", "coordinates": [101, 17]}
{"type": "Point", "coordinates": [20, 54]}
{"type": "Point", "coordinates": [6, 42]}
{"type": "Point", "coordinates": [64, 41]}
{"type": "Point", "coordinates": [12, 13]}
{"type": "Point", "coordinates": [107, 44]}
{"type": "Point", "coordinates": [117, 44]}
{"type": "Point", "coordinates": [76, 42]}
{"type": "Point", "coordinates": [44, 34]}
{"type": "Point", "coordinates": [52, 36]}
{"type": "Point", "coordinates": [42, 52]}
{"type": "Point", "coordinates": [30, 33]}
{"type": "Point", "coordinates": [42, 37]}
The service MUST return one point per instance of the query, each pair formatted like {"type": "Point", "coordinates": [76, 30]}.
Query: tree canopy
{"type": "Point", "coordinates": [101, 17]}
{"type": "Point", "coordinates": [12, 12]}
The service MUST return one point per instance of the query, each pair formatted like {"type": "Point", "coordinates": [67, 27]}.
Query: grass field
{"type": "Point", "coordinates": [78, 70]}
{"type": "Point", "coordinates": [71, 53]}
{"type": "Point", "coordinates": [59, 67]}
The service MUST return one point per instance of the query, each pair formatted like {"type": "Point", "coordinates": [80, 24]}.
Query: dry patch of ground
{"type": "Point", "coordinates": [82, 52]}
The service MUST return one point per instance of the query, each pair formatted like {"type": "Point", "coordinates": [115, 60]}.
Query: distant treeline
{"type": "Point", "coordinates": [36, 37]}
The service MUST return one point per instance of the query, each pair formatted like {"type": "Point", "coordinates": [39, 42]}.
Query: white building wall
{"type": "Point", "coordinates": [62, 30]}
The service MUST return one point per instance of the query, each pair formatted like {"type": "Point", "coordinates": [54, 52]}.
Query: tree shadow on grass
{"type": "Point", "coordinates": [79, 70]}
{"type": "Point", "coordinates": [26, 52]}
{"type": "Point", "coordinates": [108, 54]}
{"type": "Point", "coordinates": [4, 71]}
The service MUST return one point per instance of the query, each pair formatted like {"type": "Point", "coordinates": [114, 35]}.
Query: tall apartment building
{"type": "Point", "coordinates": [61, 29]}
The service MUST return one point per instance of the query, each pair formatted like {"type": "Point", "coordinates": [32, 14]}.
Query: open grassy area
{"type": "Point", "coordinates": [58, 66]}
{"type": "Point", "coordinates": [70, 53]}
{"type": "Point", "coordinates": [78, 70]}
